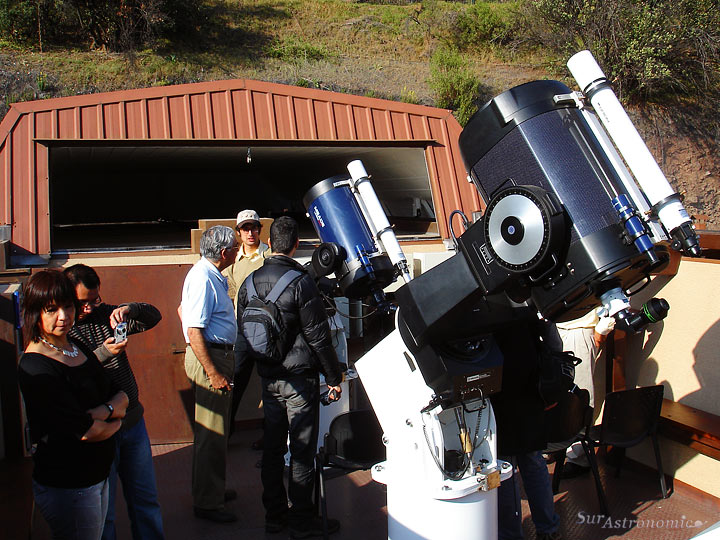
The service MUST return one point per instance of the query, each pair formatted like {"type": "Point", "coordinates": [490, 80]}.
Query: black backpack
{"type": "Point", "coordinates": [556, 374]}
{"type": "Point", "coordinates": [261, 322]}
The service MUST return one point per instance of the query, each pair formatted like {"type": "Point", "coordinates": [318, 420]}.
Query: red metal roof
{"type": "Point", "coordinates": [235, 110]}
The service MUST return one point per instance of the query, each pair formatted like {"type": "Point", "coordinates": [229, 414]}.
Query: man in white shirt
{"type": "Point", "coordinates": [210, 329]}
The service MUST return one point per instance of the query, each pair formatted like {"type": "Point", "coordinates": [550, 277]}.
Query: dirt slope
{"type": "Point", "coordinates": [685, 145]}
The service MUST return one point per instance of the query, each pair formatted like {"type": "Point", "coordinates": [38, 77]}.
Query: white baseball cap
{"type": "Point", "coordinates": [245, 216]}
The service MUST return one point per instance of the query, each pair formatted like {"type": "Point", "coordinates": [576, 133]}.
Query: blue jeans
{"type": "Point", "coordinates": [133, 463]}
{"type": "Point", "coordinates": [73, 513]}
{"type": "Point", "coordinates": [291, 406]}
{"type": "Point", "coordinates": [538, 489]}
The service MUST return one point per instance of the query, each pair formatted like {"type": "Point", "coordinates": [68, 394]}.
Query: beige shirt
{"type": "Point", "coordinates": [589, 320]}
{"type": "Point", "coordinates": [242, 268]}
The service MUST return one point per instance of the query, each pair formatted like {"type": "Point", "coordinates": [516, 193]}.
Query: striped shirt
{"type": "Point", "coordinates": [94, 329]}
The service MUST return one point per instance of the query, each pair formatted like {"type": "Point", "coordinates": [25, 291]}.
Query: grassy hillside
{"type": "Point", "coordinates": [384, 49]}
{"type": "Point", "coordinates": [381, 50]}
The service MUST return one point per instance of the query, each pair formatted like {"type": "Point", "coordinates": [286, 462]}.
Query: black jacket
{"type": "Point", "coordinates": [519, 408]}
{"type": "Point", "coordinates": [304, 316]}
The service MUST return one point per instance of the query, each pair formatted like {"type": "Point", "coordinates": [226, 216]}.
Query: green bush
{"type": "Point", "coordinates": [453, 83]}
{"type": "Point", "coordinates": [649, 49]}
{"type": "Point", "coordinates": [32, 22]}
{"type": "Point", "coordinates": [18, 20]}
{"type": "Point", "coordinates": [468, 26]}
{"type": "Point", "coordinates": [483, 23]}
{"type": "Point", "coordinates": [292, 49]}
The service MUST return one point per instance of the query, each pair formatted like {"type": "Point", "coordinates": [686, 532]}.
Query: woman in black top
{"type": "Point", "coordinates": [73, 410]}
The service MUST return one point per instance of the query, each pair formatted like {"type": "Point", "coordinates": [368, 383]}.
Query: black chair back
{"type": "Point", "coordinates": [630, 416]}
{"type": "Point", "coordinates": [354, 440]}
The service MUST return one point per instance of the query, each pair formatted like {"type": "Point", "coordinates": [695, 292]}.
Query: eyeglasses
{"type": "Point", "coordinates": [90, 304]}
{"type": "Point", "coordinates": [248, 228]}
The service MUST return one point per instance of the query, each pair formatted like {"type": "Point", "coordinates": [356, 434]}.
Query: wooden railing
{"type": "Point", "coordinates": [697, 429]}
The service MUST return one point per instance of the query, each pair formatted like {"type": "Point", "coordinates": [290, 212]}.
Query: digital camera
{"type": "Point", "coordinates": [121, 332]}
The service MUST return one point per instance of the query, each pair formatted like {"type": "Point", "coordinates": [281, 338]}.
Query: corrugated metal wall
{"type": "Point", "coordinates": [241, 110]}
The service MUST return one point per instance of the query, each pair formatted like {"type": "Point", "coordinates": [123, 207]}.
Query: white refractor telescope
{"type": "Point", "coordinates": [567, 228]}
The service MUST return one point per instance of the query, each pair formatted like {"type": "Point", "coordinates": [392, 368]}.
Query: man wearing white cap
{"type": "Point", "coordinates": [251, 256]}
{"type": "Point", "coordinates": [252, 251]}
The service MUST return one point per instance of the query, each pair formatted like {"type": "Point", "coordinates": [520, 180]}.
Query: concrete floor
{"type": "Point", "coordinates": [637, 510]}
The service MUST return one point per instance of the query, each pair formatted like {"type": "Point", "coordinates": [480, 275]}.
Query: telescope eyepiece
{"type": "Point", "coordinates": [652, 311]}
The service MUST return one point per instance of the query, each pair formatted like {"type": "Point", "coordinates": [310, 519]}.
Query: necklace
{"type": "Point", "coordinates": [71, 354]}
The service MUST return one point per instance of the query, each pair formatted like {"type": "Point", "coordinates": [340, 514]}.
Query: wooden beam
{"type": "Point", "coordinates": [699, 430]}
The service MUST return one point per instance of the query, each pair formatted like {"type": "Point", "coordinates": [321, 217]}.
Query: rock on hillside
{"type": "Point", "coordinates": [686, 149]}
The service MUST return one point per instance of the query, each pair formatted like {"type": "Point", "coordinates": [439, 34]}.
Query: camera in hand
{"type": "Point", "coordinates": [328, 396]}
{"type": "Point", "coordinates": [121, 332]}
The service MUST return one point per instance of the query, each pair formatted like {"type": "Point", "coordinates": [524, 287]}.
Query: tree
{"type": "Point", "coordinates": [650, 49]}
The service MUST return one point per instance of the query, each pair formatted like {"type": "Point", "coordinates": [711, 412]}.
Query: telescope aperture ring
{"type": "Point", "coordinates": [517, 228]}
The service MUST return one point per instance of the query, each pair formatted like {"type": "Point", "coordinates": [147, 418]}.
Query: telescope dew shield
{"type": "Point", "coordinates": [337, 219]}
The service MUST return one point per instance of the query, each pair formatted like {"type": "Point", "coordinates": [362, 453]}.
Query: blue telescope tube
{"type": "Point", "coordinates": [337, 218]}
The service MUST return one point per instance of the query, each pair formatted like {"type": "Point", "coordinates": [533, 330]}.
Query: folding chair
{"type": "Point", "coordinates": [353, 443]}
{"type": "Point", "coordinates": [629, 416]}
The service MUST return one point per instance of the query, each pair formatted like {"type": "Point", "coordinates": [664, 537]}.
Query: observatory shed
{"type": "Point", "coordinates": [135, 170]}
{"type": "Point", "coordinates": [120, 180]}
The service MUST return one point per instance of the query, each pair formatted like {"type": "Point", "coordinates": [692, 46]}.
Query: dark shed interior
{"type": "Point", "coordinates": [111, 197]}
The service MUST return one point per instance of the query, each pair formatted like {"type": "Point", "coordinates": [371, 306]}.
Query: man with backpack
{"type": "Point", "coordinates": [282, 318]}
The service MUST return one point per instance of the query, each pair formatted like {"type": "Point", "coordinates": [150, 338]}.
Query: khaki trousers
{"type": "Point", "coordinates": [212, 417]}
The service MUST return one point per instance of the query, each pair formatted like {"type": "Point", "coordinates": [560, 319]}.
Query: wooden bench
{"type": "Point", "coordinates": [692, 427]}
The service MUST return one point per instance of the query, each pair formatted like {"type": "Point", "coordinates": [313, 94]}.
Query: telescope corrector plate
{"type": "Point", "coordinates": [533, 234]}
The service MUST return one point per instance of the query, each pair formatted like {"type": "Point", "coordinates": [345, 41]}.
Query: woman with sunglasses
{"type": "Point", "coordinates": [73, 409]}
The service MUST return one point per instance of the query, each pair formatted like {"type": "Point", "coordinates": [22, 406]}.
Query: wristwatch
{"type": "Point", "coordinates": [111, 409]}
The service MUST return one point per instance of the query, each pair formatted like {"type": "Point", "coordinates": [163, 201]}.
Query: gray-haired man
{"type": "Point", "coordinates": [210, 329]}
